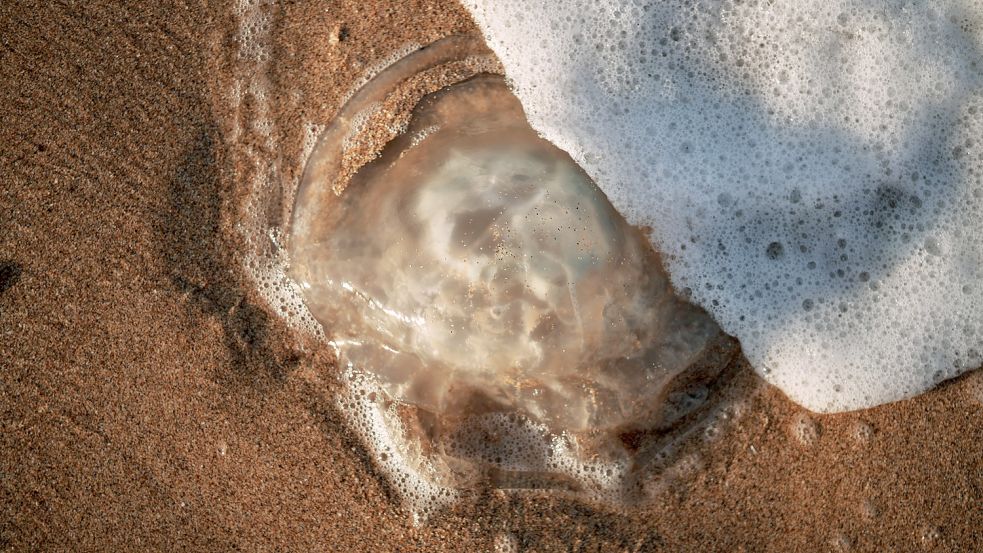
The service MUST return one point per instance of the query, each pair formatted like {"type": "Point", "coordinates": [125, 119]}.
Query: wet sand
{"type": "Point", "coordinates": [151, 400]}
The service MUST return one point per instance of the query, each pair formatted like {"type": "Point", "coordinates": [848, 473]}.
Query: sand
{"type": "Point", "coordinates": [151, 400]}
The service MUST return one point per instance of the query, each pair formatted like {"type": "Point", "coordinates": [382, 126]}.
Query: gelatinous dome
{"type": "Point", "coordinates": [474, 267]}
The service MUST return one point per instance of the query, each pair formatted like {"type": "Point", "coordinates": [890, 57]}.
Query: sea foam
{"type": "Point", "coordinates": [812, 171]}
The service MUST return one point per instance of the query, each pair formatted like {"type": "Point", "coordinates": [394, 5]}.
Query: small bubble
{"type": "Point", "coordinates": [506, 542]}
{"type": "Point", "coordinates": [869, 510]}
{"type": "Point", "coordinates": [804, 429]}
{"type": "Point", "coordinates": [929, 535]}
{"type": "Point", "coordinates": [932, 246]}
{"type": "Point", "coordinates": [774, 250]}
{"type": "Point", "coordinates": [841, 542]}
{"type": "Point", "coordinates": [862, 432]}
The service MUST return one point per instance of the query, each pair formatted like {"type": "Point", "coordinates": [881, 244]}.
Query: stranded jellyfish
{"type": "Point", "coordinates": [474, 270]}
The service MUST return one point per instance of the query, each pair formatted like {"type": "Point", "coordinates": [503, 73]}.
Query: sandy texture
{"type": "Point", "coordinates": [149, 400]}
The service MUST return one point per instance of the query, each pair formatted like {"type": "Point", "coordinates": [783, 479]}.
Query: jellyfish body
{"type": "Point", "coordinates": [474, 267]}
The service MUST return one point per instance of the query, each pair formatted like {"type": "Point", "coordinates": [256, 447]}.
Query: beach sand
{"type": "Point", "coordinates": [151, 400]}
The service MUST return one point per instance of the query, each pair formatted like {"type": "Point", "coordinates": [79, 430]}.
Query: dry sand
{"type": "Point", "coordinates": [151, 401]}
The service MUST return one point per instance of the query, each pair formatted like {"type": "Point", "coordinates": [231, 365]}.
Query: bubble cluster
{"type": "Point", "coordinates": [804, 429]}
{"type": "Point", "coordinates": [506, 542]}
{"type": "Point", "coordinates": [862, 433]}
{"type": "Point", "coordinates": [251, 137]}
{"type": "Point", "coordinates": [813, 171]}
{"type": "Point", "coordinates": [421, 481]}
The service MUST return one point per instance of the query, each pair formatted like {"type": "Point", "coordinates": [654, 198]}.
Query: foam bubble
{"type": "Point", "coordinates": [804, 429]}
{"type": "Point", "coordinates": [862, 433]}
{"type": "Point", "coordinates": [812, 170]}
{"type": "Point", "coordinates": [506, 542]}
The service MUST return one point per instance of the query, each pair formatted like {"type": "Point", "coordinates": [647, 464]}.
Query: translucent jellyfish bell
{"type": "Point", "coordinates": [473, 268]}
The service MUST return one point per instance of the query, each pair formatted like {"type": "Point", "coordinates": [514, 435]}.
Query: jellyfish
{"type": "Point", "coordinates": [474, 270]}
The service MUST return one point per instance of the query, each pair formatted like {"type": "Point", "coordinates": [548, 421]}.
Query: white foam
{"type": "Point", "coordinates": [252, 137]}
{"type": "Point", "coordinates": [270, 185]}
{"type": "Point", "coordinates": [415, 478]}
{"type": "Point", "coordinates": [813, 170]}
